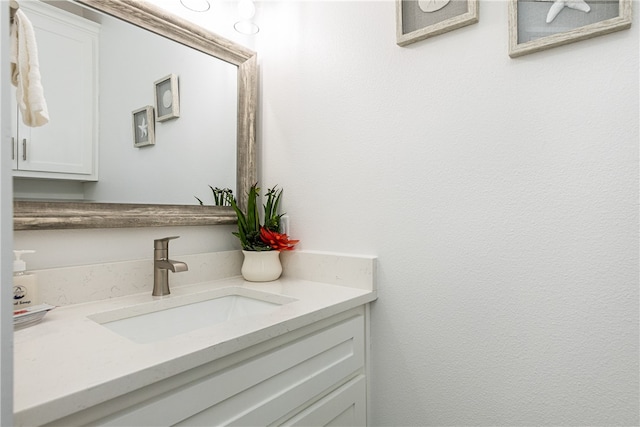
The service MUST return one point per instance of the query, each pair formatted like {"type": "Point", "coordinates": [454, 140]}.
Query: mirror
{"type": "Point", "coordinates": [33, 215]}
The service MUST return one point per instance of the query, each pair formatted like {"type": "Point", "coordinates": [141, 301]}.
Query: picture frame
{"type": "Point", "coordinates": [417, 20]}
{"type": "Point", "coordinates": [143, 126]}
{"type": "Point", "coordinates": [536, 25]}
{"type": "Point", "coordinates": [167, 98]}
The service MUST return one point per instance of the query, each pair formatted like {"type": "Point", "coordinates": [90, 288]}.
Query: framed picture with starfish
{"type": "Point", "coordinates": [420, 19]}
{"type": "Point", "coordinates": [143, 127]}
{"type": "Point", "coordinates": [536, 25]}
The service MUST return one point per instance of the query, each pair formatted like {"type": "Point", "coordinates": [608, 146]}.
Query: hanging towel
{"type": "Point", "coordinates": [25, 72]}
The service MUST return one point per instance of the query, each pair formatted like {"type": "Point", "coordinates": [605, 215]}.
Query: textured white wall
{"type": "Point", "coordinates": [501, 196]}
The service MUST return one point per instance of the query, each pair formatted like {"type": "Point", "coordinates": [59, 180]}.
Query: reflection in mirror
{"type": "Point", "coordinates": [191, 151]}
{"type": "Point", "coordinates": [207, 117]}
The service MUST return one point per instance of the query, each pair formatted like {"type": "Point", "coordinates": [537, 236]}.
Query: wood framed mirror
{"type": "Point", "coordinates": [49, 215]}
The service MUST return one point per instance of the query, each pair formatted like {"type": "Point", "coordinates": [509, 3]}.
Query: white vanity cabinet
{"type": "Point", "coordinates": [312, 376]}
{"type": "Point", "coordinates": [66, 147]}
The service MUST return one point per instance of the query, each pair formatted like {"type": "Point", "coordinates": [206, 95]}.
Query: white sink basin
{"type": "Point", "coordinates": [171, 316]}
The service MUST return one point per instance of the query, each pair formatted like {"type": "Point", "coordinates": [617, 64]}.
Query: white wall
{"type": "Point", "coordinates": [501, 196]}
{"type": "Point", "coordinates": [62, 248]}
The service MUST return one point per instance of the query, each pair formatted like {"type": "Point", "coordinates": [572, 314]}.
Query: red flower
{"type": "Point", "coordinates": [277, 241]}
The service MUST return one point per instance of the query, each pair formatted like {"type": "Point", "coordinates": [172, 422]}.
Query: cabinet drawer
{"type": "Point", "coordinates": [260, 390]}
{"type": "Point", "coordinates": [345, 406]}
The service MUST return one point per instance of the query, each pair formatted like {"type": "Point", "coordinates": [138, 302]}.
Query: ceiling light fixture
{"type": "Point", "coordinates": [196, 5]}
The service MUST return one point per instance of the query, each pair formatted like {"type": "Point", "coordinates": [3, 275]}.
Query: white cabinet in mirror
{"type": "Point", "coordinates": [201, 141]}
{"type": "Point", "coordinates": [64, 148]}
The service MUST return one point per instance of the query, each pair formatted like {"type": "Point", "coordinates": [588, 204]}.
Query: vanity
{"type": "Point", "coordinates": [298, 357]}
{"type": "Point", "coordinates": [289, 352]}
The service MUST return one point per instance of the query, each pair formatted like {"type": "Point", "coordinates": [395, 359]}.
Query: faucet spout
{"type": "Point", "coordinates": [162, 265]}
{"type": "Point", "coordinates": [169, 264]}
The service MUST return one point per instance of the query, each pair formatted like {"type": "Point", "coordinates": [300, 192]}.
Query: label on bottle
{"type": "Point", "coordinates": [21, 296]}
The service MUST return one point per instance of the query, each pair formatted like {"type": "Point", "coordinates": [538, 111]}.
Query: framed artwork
{"type": "Point", "coordinates": [143, 127]}
{"type": "Point", "coordinates": [536, 25]}
{"type": "Point", "coordinates": [420, 19]}
{"type": "Point", "coordinates": [167, 98]}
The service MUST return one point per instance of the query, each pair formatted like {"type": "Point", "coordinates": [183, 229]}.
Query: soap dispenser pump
{"type": "Point", "coordinates": [25, 284]}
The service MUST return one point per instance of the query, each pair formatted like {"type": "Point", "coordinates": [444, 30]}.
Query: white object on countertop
{"type": "Point", "coordinates": [25, 284]}
{"type": "Point", "coordinates": [30, 316]}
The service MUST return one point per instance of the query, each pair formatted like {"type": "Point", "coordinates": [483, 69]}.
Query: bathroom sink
{"type": "Point", "coordinates": [165, 318]}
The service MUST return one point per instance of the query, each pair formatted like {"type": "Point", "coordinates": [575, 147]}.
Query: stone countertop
{"type": "Point", "coordinates": [68, 362]}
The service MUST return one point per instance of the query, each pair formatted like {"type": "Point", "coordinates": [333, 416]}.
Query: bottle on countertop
{"type": "Point", "coordinates": [25, 284]}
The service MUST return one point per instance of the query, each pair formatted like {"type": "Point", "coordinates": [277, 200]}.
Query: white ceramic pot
{"type": "Point", "coordinates": [261, 266]}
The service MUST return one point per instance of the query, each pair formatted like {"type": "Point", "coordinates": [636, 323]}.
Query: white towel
{"type": "Point", "coordinates": [25, 72]}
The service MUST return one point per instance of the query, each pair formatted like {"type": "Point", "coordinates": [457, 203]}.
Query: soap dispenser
{"type": "Point", "coordinates": [25, 284]}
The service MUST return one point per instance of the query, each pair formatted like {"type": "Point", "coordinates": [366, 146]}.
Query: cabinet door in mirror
{"type": "Point", "coordinates": [66, 146]}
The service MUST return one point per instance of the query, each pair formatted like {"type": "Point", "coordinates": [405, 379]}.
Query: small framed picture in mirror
{"type": "Point", "coordinates": [167, 98]}
{"type": "Point", "coordinates": [143, 127]}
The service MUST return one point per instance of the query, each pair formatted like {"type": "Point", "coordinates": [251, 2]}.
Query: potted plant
{"type": "Point", "coordinates": [261, 243]}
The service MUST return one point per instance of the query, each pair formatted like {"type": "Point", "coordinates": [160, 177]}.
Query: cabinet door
{"type": "Point", "coordinates": [65, 145]}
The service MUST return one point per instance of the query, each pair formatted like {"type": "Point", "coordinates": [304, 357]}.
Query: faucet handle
{"type": "Point", "coordinates": [163, 243]}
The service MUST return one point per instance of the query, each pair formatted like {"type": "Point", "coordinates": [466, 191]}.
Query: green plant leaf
{"type": "Point", "coordinates": [248, 223]}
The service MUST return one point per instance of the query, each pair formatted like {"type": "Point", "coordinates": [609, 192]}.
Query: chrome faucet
{"type": "Point", "coordinates": [161, 266]}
